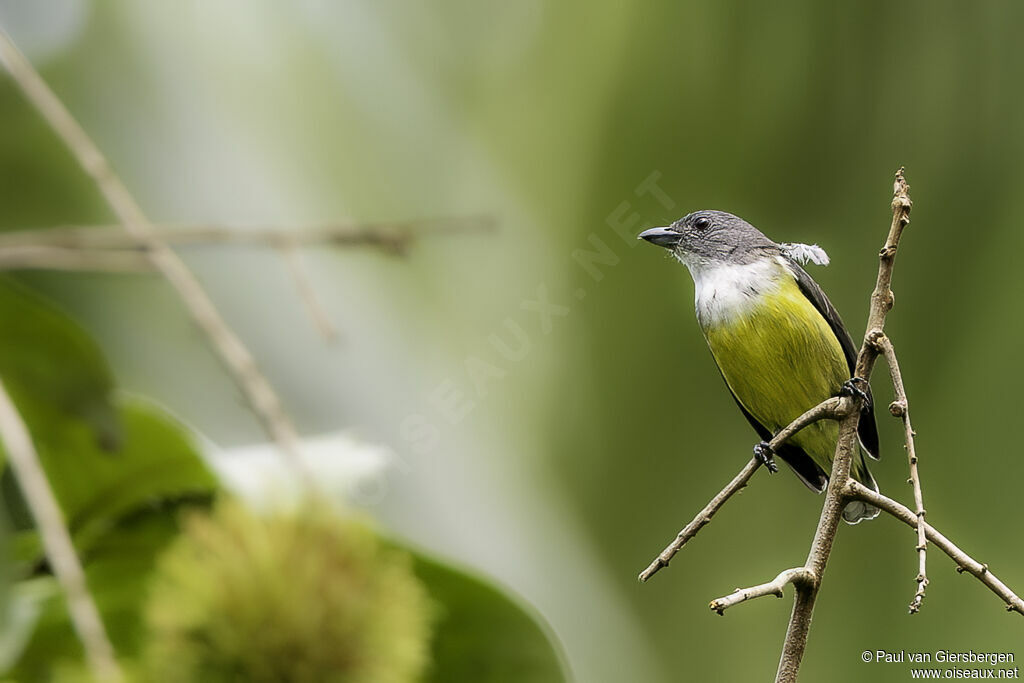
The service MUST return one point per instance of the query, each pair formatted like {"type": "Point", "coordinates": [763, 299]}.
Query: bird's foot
{"type": "Point", "coordinates": [853, 388]}
{"type": "Point", "coordinates": [764, 454]}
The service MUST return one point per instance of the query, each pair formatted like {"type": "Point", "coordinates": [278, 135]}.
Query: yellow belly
{"type": "Point", "coordinates": [780, 358]}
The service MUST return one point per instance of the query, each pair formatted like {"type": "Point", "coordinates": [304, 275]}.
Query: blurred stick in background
{"type": "Point", "coordinates": [42, 503]}
{"type": "Point", "coordinates": [393, 236]}
{"type": "Point", "coordinates": [229, 347]}
{"type": "Point", "coordinates": [297, 269]}
{"type": "Point", "coordinates": [108, 248]}
{"type": "Point", "coordinates": [37, 257]}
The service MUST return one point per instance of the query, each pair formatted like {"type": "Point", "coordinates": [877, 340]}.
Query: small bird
{"type": "Point", "coordinates": [779, 343]}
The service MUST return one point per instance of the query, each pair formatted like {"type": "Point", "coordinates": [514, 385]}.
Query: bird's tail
{"type": "Point", "coordinates": [857, 510]}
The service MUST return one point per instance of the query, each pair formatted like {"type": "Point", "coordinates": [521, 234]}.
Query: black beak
{"type": "Point", "coordinates": [663, 237]}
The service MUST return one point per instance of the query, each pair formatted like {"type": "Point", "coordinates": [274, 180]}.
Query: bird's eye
{"type": "Point", "coordinates": [702, 223]}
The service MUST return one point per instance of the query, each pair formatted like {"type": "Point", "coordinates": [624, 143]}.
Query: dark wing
{"type": "Point", "coordinates": [806, 469]}
{"type": "Point", "coordinates": [867, 430]}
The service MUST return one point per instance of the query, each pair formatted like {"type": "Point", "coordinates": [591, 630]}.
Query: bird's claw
{"type": "Point", "coordinates": [852, 388]}
{"type": "Point", "coordinates": [764, 454]}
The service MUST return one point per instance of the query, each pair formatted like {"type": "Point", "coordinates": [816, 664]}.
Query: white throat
{"type": "Point", "coordinates": [725, 291]}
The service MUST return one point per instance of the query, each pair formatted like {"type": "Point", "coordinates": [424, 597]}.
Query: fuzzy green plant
{"type": "Point", "coordinates": [288, 597]}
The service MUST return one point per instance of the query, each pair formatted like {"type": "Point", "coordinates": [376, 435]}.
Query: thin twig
{"type": "Point", "coordinates": [107, 248]}
{"type": "Point", "coordinates": [835, 408]}
{"type": "Point", "coordinates": [394, 236]}
{"type": "Point", "coordinates": [830, 409]}
{"type": "Point", "coordinates": [296, 268]}
{"type": "Point", "coordinates": [835, 499]}
{"type": "Point", "coordinates": [234, 354]}
{"type": "Point", "coordinates": [901, 408]}
{"type": "Point", "coordinates": [795, 576]}
{"type": "Point", "coordinates": [46, 257]}
{"type": "Point", "coordinates": [701, 520]}
{"type": "Point", "coordinates": [60, 551]}
{"type": "Point", "coordinates": [964, 562]}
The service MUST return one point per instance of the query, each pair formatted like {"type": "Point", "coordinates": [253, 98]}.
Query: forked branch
{"type": "Point", "coordinates": [800, 577]}
{"type": "Point", "coordinates": [835, 499]}
{"type": "Point", "coordinates": [964, 562]}
{"type": "Point", "coordinates": [901, 408]}
{"type": "Point", "coordinates": [830, 409]}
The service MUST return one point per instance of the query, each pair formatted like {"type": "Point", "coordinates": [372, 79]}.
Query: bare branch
{"type": "Point", "coordinates": [60, 551]}
{"type": "Point", "coordinates": [107, 248]}
{"type": "Point", "coordinates": [234, 354]}
{"type": "Point", "coordinates": [64, 258]}
{"type": "Point", "coordinates": [821, 547]}
{"type": "Point", "coordinates": [293, 260]}
{"type": "Point", "coordinates": [846, 446]}
{"type": "Point", "coordinates": [830, 409]}
{"type": "Point", "coordinates": [701, 520]}
{"type": "Point", "coordinates": [965, 563]}
{"type": "Point", "coordinates": [797, 576]}
{"type": "Point", "coordinates": [395, 236]}
{"type": "Point", "coordinates": [901, 408]}
{"type": "Point", "coordinates": [835, 408]}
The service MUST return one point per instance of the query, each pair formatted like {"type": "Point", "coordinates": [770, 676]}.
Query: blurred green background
{"type": "Point", "coordinates": [563, 468]}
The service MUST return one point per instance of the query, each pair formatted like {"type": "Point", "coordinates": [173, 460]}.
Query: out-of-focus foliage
{"type": "Point", "coordinates": [53, 370]}
{"type": "Point", "coordinates": [300, 597]}
{"type": "Point", "coordinates": [308, 595]}
{"type": "Point", "coordinates": [121, 508]}
{"type": "Point", "coordinates": [580, 457]}
{"type": "Point", "coordinates": [482, 635]}
{"type": "Point", "coordinates": [158, 464]}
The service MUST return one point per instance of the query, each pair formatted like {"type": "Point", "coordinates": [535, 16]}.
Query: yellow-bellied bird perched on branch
{"type": "Point", "coordinates": [778, 341]}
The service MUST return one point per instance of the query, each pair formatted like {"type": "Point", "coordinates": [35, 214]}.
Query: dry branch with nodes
{"type": "Point", "coordinates": [842, 489]}
{"type": "Point", "coordinates": [391, 236]}
{"type": "Point", "coordinates": [108, 248]}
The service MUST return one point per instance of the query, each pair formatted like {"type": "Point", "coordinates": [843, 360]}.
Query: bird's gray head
{"type": "Point", "coordinates": [707, 238]}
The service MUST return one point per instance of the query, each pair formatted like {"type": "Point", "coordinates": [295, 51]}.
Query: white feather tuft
{"type": "Point", "coordinates": [804, 253]}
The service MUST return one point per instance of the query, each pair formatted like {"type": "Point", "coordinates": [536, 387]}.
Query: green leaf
{"type": "Point", "coordinates": [159, 463]}
{"type": "Point", "coordinates": [485, 636]}
{"type": "Point", "coordinates": [118, 569]}
{"type": "Point", "coordinates": [6, 575]}
{"type": "Point", "coordinates": [122, 510]}
{"type": "Point", "coordinates": [25, 606]}
{"type": "Point", "coordinates": [52, 368]}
